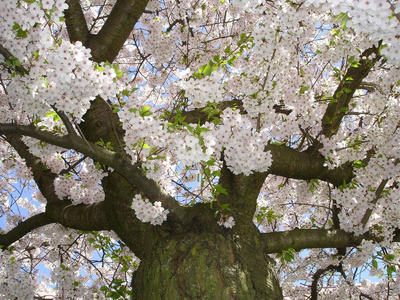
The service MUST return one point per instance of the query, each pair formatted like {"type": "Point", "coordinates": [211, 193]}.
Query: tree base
{"type": "Point", "coordinates": [206, 266]}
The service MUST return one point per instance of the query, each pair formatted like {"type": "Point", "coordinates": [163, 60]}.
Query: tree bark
{"type": "Point", "coordinates": [203, 264]}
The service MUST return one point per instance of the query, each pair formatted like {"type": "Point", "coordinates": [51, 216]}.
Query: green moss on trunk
{"type": "Point", "coordinates": [206, 265]}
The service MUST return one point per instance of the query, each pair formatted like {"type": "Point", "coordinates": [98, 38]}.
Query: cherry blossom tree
{"type": "Point", "coordinates": [199, 149]}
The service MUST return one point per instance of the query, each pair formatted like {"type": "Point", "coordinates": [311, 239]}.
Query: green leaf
{"type": "Point", "coordinates": [225, 207]}
{"type": "Point", "coordinates": [271, 216]}
{"type": "Point", "coordinates": [22, 33]}
{"type": "Point", "coordinates": [208, 69]}
{"type": "Point", "coordinates": [109, 146]}
{"type": "Point", "coordinates": [104, 288]}
{"type": "Point", "coordinates": [124, 269]}
{"type": "Point", "coordinates": [118, 72]}
{"type": "Point", "coordinates": [221, 190]}
{"type": "Point", "coordinates": [358, 164]}
{"type": "Point", "coordinates": [100, 143]}
{"type": "Point", "coordinates": [99, 68]}
{"type": "Point", "coordinates": [53, 115]}
{"type": "Point", "coordinates": [390, 270]}
{"type": "Point", "coordinates": [389, 257]}
{"type": "Point", "coordinates": [133, 110]}
{"type": "Point", "coordinates": [16, 26]}
{"type": "Point", "coordinates": [344, 17]}
{"type": "Point", "coordinates": [375, 263]}
{"type": "Point", "coordinates": [145, 111]}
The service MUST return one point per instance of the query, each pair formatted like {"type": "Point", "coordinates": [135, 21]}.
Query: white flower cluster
{"type": "Point", "coordinates": [48, 154]}
{"type": "Point", "coordinates": [64, 77]}
{"type": "Point", "coordinates": [67, 282]}
{"type": "Point", "coordinates": [13, 281]}
{"type": "Point", "coordinates": [227, 222]}
{"type": "Point", "coordinates": [86, 190]}
{"type": "Point", "coordinates": [199, 91]}
{"type": "Point", "coordinates": [188, 149]}
{"type": "Point", "coordinates": [28, 17]}
{"type": "Point", "coordinates": [374, 18]}
{"type": "Point", "coordinates": [244, 148]}
{"type": "Point", "coordinates": [59, 72]}
{"type": "Point", "coordinates": [147, 212]}
{"type": "Point", "coordinates": [159, 40]}
{"type": "Point", "coordinates": [151, 131]}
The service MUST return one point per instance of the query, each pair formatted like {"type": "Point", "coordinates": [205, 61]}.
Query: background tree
{"type": "Point", "coordinates": [193, 148]}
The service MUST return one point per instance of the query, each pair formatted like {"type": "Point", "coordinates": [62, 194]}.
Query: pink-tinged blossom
{"type": "Point", "coordinates": [147, 212]}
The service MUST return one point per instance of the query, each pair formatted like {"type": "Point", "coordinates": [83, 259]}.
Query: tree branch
{"type": "Point", "coordinates": [112, 159]}
{"type": "Point", "coordinates": [8, 56]}
{"type": "Point", "coordinates": [74, 142]}
{"type": "Point", "coordinates": [317, 275]}
{"type": "Point", "coordinates": [378, 193]}
{"type": "Point", "coordinates": [81, 216]}
{"type": "Point", "coordinates": [117, 28]}
{"type": "Point", "coordinates": [86, 217]}
{"type": "Point", "coordinates": [76, 23]}
{"type": "Point", "coordinates": [300, 239]}
{"type": "Point", "coordinates": [351, 81]}
{"type": "Point", "coordinates": [243, 192]}
{"type": "Point", "coordinates": [24, 228]}
{"type": "Point", "coordinates": [105, 47]}
{"type": "Point", "coordinates": [291, 163]}
{"type": "Point", "coordinates": [43, 177]}
{"type": "Point", "coordinates": [199, 115]}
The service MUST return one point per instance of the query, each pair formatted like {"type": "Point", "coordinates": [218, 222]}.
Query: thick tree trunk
{"type": "Point", "coordinates": [206, 265]}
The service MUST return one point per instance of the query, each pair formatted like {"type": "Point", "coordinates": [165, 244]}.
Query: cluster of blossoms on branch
{"type": "Point", "coordinates": [147, 212]}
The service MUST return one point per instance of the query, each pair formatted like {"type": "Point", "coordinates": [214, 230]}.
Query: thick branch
{"type": "Point", "coordinates": [299, 239]}
{"type": "Point", "coordinates": [317, 275]}
{"type": "Point", "coordinates": [200, 115]}
{"type": "Point", "coordinates": [378, 193]}
{"type": "Point", "coordinates": [8, 56]}
{"type": "Point", "coordinates": [43, 177]}
{"type": "Point", "coordinates": [291, 163]}
{"type": "Point", "coordinates": [74, 142]}
{"type": "Point", "coordinates": [24, 228]}
{"type": "Point", "coordinates": [81, 216]}
{"type": "Point", "coordinates": [117, 28]}
{"type": "Point", "coordinates": [351, 81]}
{"type": "Point", "coordinates": [243, 192]}
{"type": "Point", "coordinates": [112, 159]}
{"type": "Point", "coordinates": [76, 23]}
{"type": "Point", "coordinates": [87, 217]}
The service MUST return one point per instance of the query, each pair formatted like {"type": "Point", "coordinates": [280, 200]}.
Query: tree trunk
{"type": "Point", "coordinates": [203, 264]}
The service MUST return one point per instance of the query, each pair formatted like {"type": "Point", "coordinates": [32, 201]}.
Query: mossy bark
{"type": "Point", "coordinates": [206, 265]}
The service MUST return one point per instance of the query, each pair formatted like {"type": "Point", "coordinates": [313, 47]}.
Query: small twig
{"type": "Point", "coordinates": [71, 167]}
{"type": "Point", "coordinates": [67, 123]}
{"type": "Point", "coordinates": [378, 193]}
